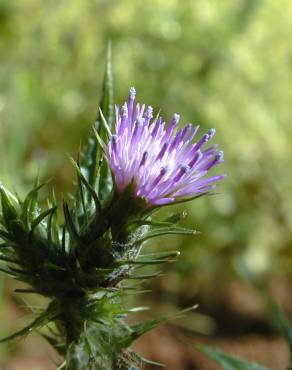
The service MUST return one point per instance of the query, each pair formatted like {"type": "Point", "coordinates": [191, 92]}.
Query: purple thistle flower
{"type": "Point", "coordinates": [165, 165]}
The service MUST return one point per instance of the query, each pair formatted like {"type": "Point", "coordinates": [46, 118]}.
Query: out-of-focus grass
{"type": "Point", "coordinates": [223, 64]}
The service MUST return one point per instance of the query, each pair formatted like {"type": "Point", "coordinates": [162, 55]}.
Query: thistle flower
{"type": "Point", "coordinates": [164, 163]}
{"type": "Point", "coordinates": [80, 262]}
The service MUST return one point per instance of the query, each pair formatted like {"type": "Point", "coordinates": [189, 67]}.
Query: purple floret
{"type": "Point", "coordinates": [165, 163]}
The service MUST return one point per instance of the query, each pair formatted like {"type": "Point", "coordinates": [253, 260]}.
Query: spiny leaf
{"type": "Point", "coordinates": [175, 217]}
{"type": "Point", "coordinates": [144, 327]}
{"type": "Point", "coordinates": [9, 272]}
{"type": "Point", "coordinates": [87, 185]}
{"type": "Point", "coordinates": [137, 309]}
{"type": "Point", "coordinates": [40, 218]}
{"type": "Point", "coordinates": [143, 262]}
{"type": "Point", "coordinates": [13, 198]}
{"type": "Point", "coordinates": [144, 277]}
{"type": "Point", "coordinates": [70, 223]}
{"type": "Point", "coordinates": [168, 221]}
{"type": "Point", "coordinates": [8, 208]}
{"type": "Point", "coordinates": [106, 101]}
{"type": "Point", "coordinates": [20, 273]}
{"type": "Point", "coordinates": [89, 345]}
{"type": "Point", "coordinates": [49, 226]}
{"type": "Point", "coordinates": [228, 362]}
{"type": "Point", "coordinates": [8, 245]}
{"type": "Point", "coordinates": [92, 155]}
{"type": "Point", "coordinates": [160, 255]}
{"type": "Point", "coordinates": [55, 343]}
{"type": "Point", "coordinates": [100, 141]}
{"type": "Point", "coordinates": [181, 200]}
{"type": "Point", "coordinates": [4, 235]}
{"type": "Point", "coordinates": [150, 362]}
{"type": "Point", "coordinates": [282, 324]}
{"type": "Point", "coordinates": [54, 220]}
{"type": "Point", "coordinates": [28, 291]}
{"type": "Point", "coordinates": [39, 322]}
{"type": "Point", "coordinates": [105, 125]}
{"type": "Point", "coordinates": [81, 198]}
{"type": "Point", "coordinates": [167, 231]}
{"type": "Point", "coordinates": [29, 204]}
{"type": "Point", "coordinates": [150, 223]}
{"type": "Point", "coordinates": [104, 185]}
{"type": "Point", "coordinates": [62, 366]}
{"type": "Point", "coordinates": [63, 240]}
{"type": "Point", "coordinates": [8, 259]}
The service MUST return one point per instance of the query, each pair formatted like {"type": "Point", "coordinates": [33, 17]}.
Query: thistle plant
{"type": "Point", "coordinates": [83, 256]}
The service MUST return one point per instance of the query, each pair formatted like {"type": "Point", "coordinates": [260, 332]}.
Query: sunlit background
{"type": "Point", "coordinates": [225, 64]}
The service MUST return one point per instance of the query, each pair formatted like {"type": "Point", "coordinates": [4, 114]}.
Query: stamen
{"type": "Point", "coordinates": [162, 151]}
{"type": "Point", "coordinates": [198, 156]}
{"type": "Point", "coordinates": [144, 158]}
{"type": "Point", "coordinates": [163, 171]}
{"type": "Point", "coordinates": [182, 171]}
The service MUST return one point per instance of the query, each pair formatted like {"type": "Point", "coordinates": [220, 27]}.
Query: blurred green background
{"type": "Point", "coordinates": [224, 64]}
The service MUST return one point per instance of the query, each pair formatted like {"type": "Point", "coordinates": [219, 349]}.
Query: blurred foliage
{"type": "Point", "coordinates": [223, 64]}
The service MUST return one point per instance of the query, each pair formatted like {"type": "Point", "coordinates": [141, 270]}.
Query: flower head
{"type": "Point", "coordinates": [164, 162]}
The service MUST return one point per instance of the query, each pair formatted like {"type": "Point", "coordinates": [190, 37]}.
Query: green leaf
{"type": "Point", "coordinates": [228, 362]}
